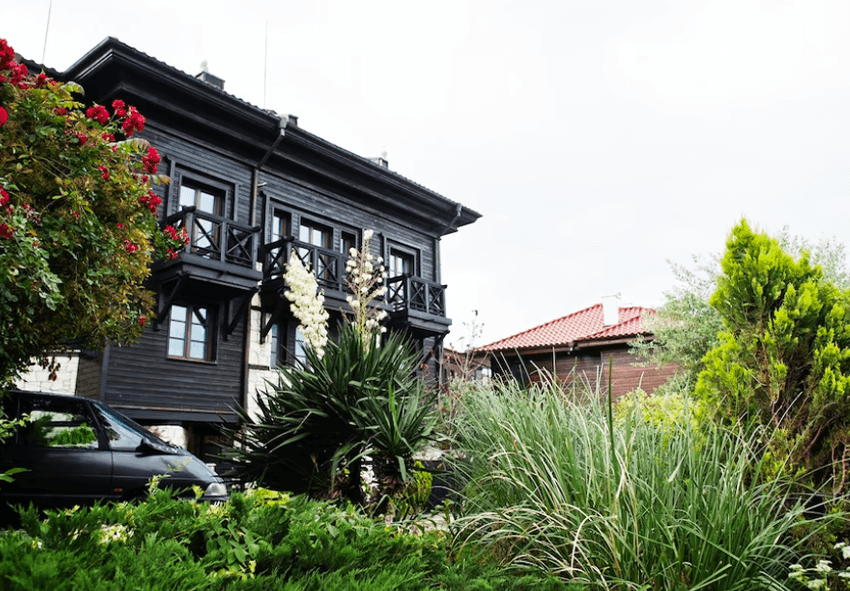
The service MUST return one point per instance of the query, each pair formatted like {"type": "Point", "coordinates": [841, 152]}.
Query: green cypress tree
{"type": "Point", "coordinates": [783, 358]}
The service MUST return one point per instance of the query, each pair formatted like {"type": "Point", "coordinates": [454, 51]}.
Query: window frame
{"type": "Point", "coordinates": [210, 328]}
{"type": "Point", "coordinates": [413, 254]}
{"type": "Point", "coordinates": [344, 232]}
{"type": "Point", "coordinates": [198, 180]}
{"type": "Point", "coordinates": [310, 224]}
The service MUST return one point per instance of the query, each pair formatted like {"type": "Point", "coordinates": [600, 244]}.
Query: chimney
{"type": "Point", "coordinates": [381, 160]}
{"type": "Point", "coordinates": [205, 76]}
{"type": "Point", "coordinates": [611, 309]}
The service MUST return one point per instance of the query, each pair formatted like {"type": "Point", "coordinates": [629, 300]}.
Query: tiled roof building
{"type": "Point", "coordinates": [578, 347]}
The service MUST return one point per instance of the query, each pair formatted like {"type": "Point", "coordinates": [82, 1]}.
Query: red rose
{"type": "Point", "coordinates": [151, 160]}
{"type": "Point", "coordinates": [7, 54]}
{"type": "Point", "coordinates": [19, 72]}
{"type": "Point", "coordinates": [117, 104]}
{"type": "Point", "coordinates": [82, 137]}
{"type": "Point", "coordinates": [172, 233]}
{"type": "Point", "coordinates": [4, 198]}
{"type": "Point", "coordinates": [134, 122]}
{"type": "Point", "coordinates": [108, 137]}
{"type": "Point", "coordinates": [98, 113]}
{"type": "Point", "coordinates": [40, 80]}
{"type": "Point", "coordinates": [4, 116]}
{"type": "Point", "coordinates": [103, 172]}
{"type": "Point", "coordinates": [142, 320]}
{"type": "Point", "coordinates": [150, 200]}
{"type": "Point", "coordinates": [6, 232]}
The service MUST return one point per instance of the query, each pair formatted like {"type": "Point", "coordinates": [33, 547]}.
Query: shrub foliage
{"type": "Point", "coordinates": [78, 223]}
{"type": "Point", "coordinates": [783, 358]}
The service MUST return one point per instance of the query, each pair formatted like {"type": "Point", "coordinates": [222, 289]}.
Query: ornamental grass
{"type": "Point", "coordinates": [629, 504]}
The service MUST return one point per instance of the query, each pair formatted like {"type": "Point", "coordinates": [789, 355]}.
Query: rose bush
{"type": "Point", "coordinates": [78, 227]}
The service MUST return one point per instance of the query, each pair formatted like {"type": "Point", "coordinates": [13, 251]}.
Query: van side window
{"type": "Point", "coordinates": [56, 422]}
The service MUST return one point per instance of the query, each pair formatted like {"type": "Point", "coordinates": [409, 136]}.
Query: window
{"type": "Point", "coordinates": [280, 225]}
{"type": "Point", "coordinates": [300, 348]}
{"type": "Point", "coordinates": [279, 230]}
{"type": "Point", "coordinates": [204, 231]}
{"type": "Point", "coordinates": [347, 241]}
{"type": "Point", "coordinates": [120, 435]}
{"type": "Point", "coordinates": [323, 263]}
{"type": "Point", "coordinates": [401, 263]}
{"type": "Point", "coordinates": [59, 422]}
{"type": "Point", "coordinates": [274, 346]}
{"type": "Point", "coordinates": [314, 234]}
{"type": "Point", "coordinates": [190, 333]}
{"type": "Point", "coordinates": [206, 200]}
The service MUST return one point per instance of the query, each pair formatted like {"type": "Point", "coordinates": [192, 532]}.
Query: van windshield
{"type": "Point", "coordinates": [124, 433]}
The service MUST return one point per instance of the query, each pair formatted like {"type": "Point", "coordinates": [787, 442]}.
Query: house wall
{"type": "Point", "coordinates": [585, 369]}
{"type": "Point", "coordinates": [309, 199]}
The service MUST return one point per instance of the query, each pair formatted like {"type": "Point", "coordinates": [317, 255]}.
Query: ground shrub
{"type": "Point", "coordinates": [259, 540]}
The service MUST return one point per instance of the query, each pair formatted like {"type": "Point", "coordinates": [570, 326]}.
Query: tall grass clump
{"type": "Point", "coordinates": [626, 504]}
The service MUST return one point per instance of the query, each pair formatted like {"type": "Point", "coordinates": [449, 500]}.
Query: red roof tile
{"type": "Point", "coordinates": [584, 325]}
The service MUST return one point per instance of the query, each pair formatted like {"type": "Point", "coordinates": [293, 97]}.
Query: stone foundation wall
{"type": "Point", "coordinates": [37, 379]}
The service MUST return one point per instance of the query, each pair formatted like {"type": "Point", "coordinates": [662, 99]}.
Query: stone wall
{"type": "Point", "coordinates": [37, 379]}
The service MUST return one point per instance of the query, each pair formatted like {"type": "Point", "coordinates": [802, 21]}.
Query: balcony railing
{"type": "Point", "coordinates": [403, 292]}
{"type": "Point", "coordinates": [327, 264]}
{"type": "Point", "coordinates": [413, 293]}
{"type": "Point", "coordinates": [217, 238]}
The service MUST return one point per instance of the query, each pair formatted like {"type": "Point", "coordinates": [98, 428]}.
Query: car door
{"type": "Point", "coordinates": [134, 464]}
{"type": "Point", "coordinates": [62, 450]}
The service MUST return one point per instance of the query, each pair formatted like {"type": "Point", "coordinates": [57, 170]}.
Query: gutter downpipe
{"type": "Point", "coordinates": [438, 271]}
{"type": "Point", "coordinates": [438, 277]}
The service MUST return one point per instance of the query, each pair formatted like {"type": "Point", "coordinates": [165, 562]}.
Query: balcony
{"type": "Point", "coordinates": [328, 264]}
{"type": "Point", "coordinates": [220, 258]}
{"type": "Point", "coordinates": [415, 305]}
{"type": "Point", "coordinates": [418, 305]}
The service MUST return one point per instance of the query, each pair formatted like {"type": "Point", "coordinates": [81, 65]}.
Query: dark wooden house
{"type": "Point", "coordinates": [251, 187]}
{"type": "Point", "coordinates": [576, 350]}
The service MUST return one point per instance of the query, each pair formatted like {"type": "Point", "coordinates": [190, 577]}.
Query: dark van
{"type": "Point", "coordinates": [76, 450]}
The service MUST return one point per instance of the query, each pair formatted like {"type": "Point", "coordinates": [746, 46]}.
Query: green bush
{"type": "Point", "coordinates": [256, 541]}
{"type": "Point", "coordinates": [783, 358]}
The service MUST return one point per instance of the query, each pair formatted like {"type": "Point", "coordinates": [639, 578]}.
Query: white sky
{"type": "Point", "coordinates": [597, 138]}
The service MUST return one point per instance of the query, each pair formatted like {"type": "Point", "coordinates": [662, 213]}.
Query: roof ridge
{"type": "Point", "coordinates": [611, 327]}
{"type": "Point", "coordinates": [539, 326]}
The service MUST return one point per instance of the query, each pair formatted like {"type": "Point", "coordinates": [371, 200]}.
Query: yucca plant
{"type": "Point", "coordinates": [318, 422]}
{"type": "Point", "coordinates": [623, 505]}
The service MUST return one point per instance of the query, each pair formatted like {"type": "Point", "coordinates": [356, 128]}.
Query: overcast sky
{"type": "Point", "coordinates": [598, 138]}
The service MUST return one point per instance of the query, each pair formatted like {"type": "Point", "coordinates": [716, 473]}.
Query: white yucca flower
{"type": "Point", "coordinates": [364, 275]}
{"type": "Point", "coordinates": [308, 304]}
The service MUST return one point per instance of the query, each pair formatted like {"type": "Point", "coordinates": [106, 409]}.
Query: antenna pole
{"type": "Point", "coordinates": [265, 64]}
{"type": "Point", "coordinates": [46, 29]}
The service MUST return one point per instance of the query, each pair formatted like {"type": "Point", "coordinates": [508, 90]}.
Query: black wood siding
{"type": "Point", "coordinates": [141, 380]}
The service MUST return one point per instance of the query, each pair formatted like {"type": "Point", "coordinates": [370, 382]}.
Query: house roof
{"type": "Point", "coordinates": [114, 68]}
{"type": "Point", "coordinates": [582, 326]}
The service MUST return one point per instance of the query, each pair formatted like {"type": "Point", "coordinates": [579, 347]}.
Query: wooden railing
{"type": "Point", "coordinates": [414, 293]}
{"type": "Point", "coordinates": [217, 238]}
{"type": "Point", "coordinates": [327, 264]}
{"type": "Point", "coordinates": [403, 292]}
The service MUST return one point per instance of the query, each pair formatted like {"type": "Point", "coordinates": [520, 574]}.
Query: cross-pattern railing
{"type": "Point", "coordinates": [328, 264]}
{"type": "Point", "coordinates": [414, 293]}
{"type": "Point", "coordinates": [217, 238]}
{"type": "Point", "coordinates": [403, 292]}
